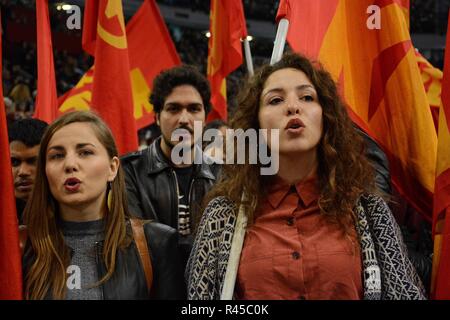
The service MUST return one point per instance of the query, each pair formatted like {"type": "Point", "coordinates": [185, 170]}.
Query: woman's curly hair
{"type": "Point", "coordinates": [343, 170]}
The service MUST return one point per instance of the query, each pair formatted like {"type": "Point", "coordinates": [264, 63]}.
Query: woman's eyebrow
{"type": "Point", "coordinates": [82, 145]}
{"type": "Point", "coordinates": [277, 90]}
{"type": "Point", "coordinates": [78, 146]}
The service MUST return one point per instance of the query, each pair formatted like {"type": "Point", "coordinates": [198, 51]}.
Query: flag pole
{"type": "Point", "coordinates": [248, 57]}
{"type": "Point", "coordinates": [280, 41]}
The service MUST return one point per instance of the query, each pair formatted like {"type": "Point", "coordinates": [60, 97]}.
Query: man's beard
{"type": "Point", "coordinates": [171, 145]}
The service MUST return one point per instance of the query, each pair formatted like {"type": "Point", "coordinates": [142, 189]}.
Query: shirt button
{"type": "Point", "coordinates": [295, 255]}
{"type": "Point", "coordinates": [290, 221]}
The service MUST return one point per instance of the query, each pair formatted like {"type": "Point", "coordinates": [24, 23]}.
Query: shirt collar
{"type": "Point", "coordinates": [306, 190]}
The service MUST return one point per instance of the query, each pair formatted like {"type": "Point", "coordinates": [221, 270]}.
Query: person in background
{"type": "Point", "coordinates": [158, 188]}
{"type": "Point", "coordinates": [24, 136]}
{"type": "Point", "coordinates": [208, 147]}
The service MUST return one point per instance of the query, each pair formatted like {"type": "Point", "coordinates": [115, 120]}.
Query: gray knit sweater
{"type": "Point", "coordinates": [82, 273]}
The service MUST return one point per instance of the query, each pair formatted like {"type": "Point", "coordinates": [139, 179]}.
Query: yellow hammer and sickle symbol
{"type": "Point", "coordinates": [114, 8]}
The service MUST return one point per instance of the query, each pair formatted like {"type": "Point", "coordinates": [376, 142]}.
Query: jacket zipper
{"type": "Point", "coordinates": [190, 205]}
{"type": "Point", "coordinates": [178, 199]}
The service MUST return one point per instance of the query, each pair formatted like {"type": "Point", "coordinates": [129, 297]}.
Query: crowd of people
{"type": "Point", "coordinates": [215, 229]}
{"type": "Point", "coordinates": [147, 226]}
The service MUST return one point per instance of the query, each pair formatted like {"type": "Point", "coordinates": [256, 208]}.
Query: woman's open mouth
{"type": "Point", "coordinates": [72, 184]}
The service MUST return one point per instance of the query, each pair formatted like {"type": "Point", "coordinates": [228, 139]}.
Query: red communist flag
{"type": "Point", "coordinates": [46, 101]}
{"type": "Point", "coordinates": [441, 214]}
{"type": "Point", "coordinates": [227, 28]}
{"type": "Point", "coordinates": [111, 91]}
{"type": "Point", "coordinates": [10, 258]}
{"type": "Point", "coordinates": [367, 47]}
{"type": "Point", "coordinates": [146, 31]}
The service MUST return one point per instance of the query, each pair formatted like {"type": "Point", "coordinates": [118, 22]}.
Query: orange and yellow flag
{"type": "Point", "coordinates": [145, 31]}
{"type": "Point", "coordinates": [432, 81]}
{"type": "Point", "coordinates": [367, 47]}
{"type": "Point", "coordinates": [440, 286]}
{"type": "Point", "coordinates": [46, 101]}
{"type": "Point", "coordinates": [227, 28]}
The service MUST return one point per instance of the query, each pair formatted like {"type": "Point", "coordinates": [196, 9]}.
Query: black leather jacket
{"type": "Point", "coordinates": [152, 185]}
{"type": "Point", "coordinates": [128, 281]}
{"type": "Point", "coordinates": [379, 161]}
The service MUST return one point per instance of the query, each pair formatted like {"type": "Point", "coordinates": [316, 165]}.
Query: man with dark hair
{"type": "Point", "coordinates": [158, 188]}
{"type": "Point", "coordinates": [24, 137]}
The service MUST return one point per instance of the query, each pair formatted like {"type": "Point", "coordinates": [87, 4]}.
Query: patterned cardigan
{"type": "Point", "coordinates": [388, 274]}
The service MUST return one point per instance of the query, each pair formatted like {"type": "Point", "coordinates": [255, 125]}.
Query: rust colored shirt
{"type": "Point", "coordinates": [292, 252]}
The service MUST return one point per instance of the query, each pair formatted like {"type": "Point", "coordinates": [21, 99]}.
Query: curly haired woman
{"type": "Point", "coordinates": [318, 228]}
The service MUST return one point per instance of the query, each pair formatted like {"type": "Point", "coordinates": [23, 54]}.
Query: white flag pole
{"type": "Point", "coordinates": [248, 57]}
{"type": "Point", "coordinates": [280, 41]}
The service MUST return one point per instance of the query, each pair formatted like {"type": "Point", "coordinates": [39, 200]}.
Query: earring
{"type": "Point", "coordinates": [109, 197]}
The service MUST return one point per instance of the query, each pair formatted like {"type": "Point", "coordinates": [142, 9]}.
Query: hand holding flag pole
{"type": "Point", "coordinates": [280, 41]}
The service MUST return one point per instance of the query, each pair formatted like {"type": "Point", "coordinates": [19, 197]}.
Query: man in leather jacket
{"type": "Point", "coordinates": [158, 189]}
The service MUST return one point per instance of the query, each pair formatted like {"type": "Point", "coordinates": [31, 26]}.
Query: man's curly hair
{"type": "Point", "coordinates": [167, 80]}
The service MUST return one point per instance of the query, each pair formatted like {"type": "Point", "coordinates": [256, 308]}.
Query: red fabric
{"type": "Point", "coordinates": [10, 258]}
{"type": "Point", "coordinates": [90, 26]}
{"type": "Point", "coordinates": [143, 38]}
{"type": "Point", "coordinates": [46, 101]}
{"type": "Point", "coordinates": [111, 93]}
{"type": "Point", "coordinates": [227, 28]}
{"type": "Point", "coordinates": [445, 94]}
{"type": "Point", "coordinates": [301, 13]}
{"type": "Point", "coordinates": [292, 252]}
{"type": "Point", "coordinates": [441, 214]}
{"type": "Point", "coordinates": [146, 31]}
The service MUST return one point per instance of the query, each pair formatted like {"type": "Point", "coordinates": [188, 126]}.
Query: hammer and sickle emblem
{"type": "Point", "coordinates": [113, 8]}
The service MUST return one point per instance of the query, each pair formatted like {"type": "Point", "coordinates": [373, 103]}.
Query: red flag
{"type": "Point", "coordinates": [145, 31]}
{"type": "Point", "coordinates": [366, 45]}
{"type": "Point", "coordinates": [46, 101]}
{"type": "Point", "coordinates": [111, 92]}
{"type": "Point", "coordinates": [89, 30]}
{"type": "Point", "coordinates": [10, 258]}
{"type": "Point", "coordinates": [441, 214]}
{"type": "Point", "coordinates": [146, 62]}
{"type": "Point", "coordinates": [227, 28]}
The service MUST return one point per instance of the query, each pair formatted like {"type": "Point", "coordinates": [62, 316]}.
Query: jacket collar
{"type": "Point", "coordinates": [157, 161]}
